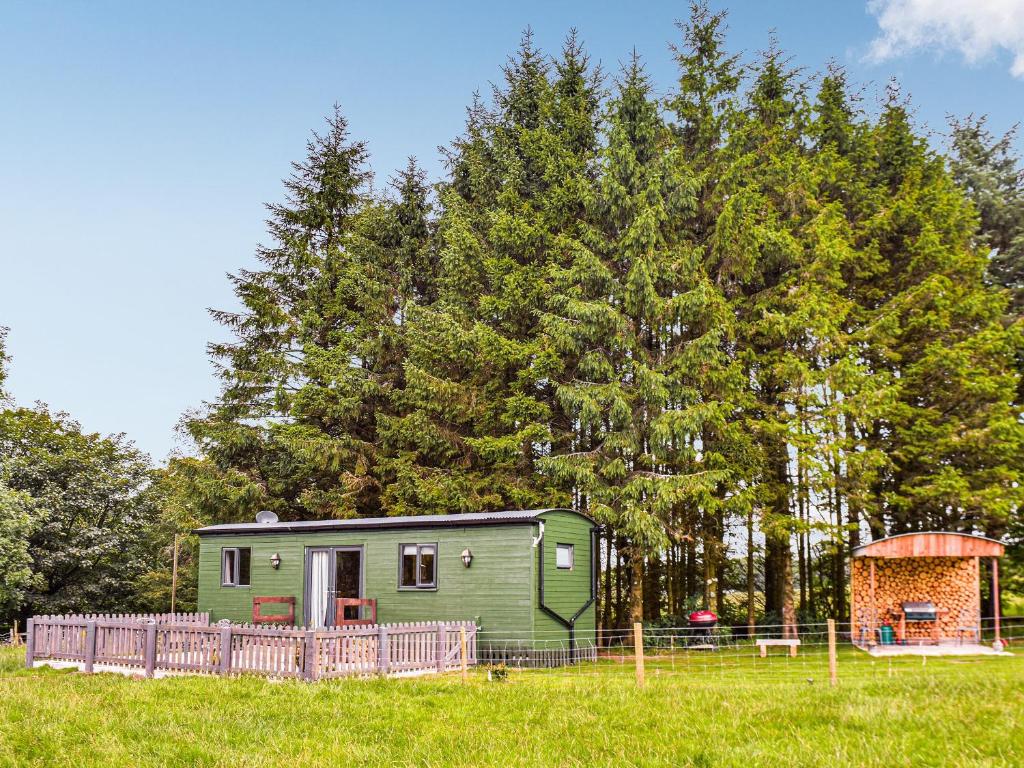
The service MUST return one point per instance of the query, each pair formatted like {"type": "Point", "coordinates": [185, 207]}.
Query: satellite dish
{"type": "Point", "coordinates": [266, 516]}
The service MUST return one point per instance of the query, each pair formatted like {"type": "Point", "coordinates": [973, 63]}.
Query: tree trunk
{"type": "Point", "coordinates": [691, 569]}
{"type": "Point", "coordinates": [652, 587]}
{"type": "Point", "coordinates": [802, 537]}
{"type": "Point", "coordinates": [620, 596]}
{"type": "Point", "coordinates": [778, 546]}
{"type": "Point", "coordinates": [751, 608]}
{"type": "Point", "coordinates": [809, 558]}
{"type": "Point", "coordinates": [608, 615]}
{"type": "Point", "coordinates": [789, 629]}
{"type": "Point", "coordinates": [636, 591]}
{"type": "Point", "coordinates": [709, 573]}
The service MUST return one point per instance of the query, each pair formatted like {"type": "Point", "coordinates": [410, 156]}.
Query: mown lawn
{"type": "Point", "coordinates": [726, 709]}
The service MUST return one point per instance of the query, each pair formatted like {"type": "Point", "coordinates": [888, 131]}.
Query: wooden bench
{"type": "Point", "coordinates": [763, 645]}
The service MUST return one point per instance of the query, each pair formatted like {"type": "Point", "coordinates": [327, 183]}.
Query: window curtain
{"type": "Point", "coordinates": [319, 582]}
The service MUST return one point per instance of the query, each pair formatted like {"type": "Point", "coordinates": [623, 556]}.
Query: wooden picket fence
{"type": "Point", "coordinates": [148, 644]}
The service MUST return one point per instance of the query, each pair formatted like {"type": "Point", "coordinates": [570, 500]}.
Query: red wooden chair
{"type": "Point", "coordinates": [341, 603]}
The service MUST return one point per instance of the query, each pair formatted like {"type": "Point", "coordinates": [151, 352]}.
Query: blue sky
{"type": "Point", "coordinates": [139, 142]}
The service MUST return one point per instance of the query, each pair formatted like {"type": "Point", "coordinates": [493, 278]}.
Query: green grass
{"type": "Point", "coordinates": [710, 709]}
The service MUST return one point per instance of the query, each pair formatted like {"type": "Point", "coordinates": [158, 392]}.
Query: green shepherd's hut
{"type": "Point", "coordinates": [526, 577]}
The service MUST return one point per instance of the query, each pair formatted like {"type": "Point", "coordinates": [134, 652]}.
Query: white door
{"type": "Point", "coordinates": [319, 587]}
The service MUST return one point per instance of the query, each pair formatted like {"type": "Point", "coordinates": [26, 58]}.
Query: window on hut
{"type": "Point", "coordinates": [418, 567]}
{"type": "Point", "coordinates": [235, 565]}
{"type": "Point", "coordinates": [563, 556]}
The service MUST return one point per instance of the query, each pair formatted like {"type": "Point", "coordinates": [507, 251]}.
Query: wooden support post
{"type": "Point", "coordinates": [174, 574]}
{"type": "Point", "coordinates": [15, 637]}
{"type": "Point", "coordinates": [225, 649]}
{"type": "Point", "coordinates": [832, 661]}
{"type": "Point", "coordinates": [441, 646]}
{"type": "Point", "coordinates": [90, 645]}
{"type": "Point", "coordinates": [873, 616]}
{"type": "Point", "coordinates": [638, 651]}
{"type": "Point", "coordinates": [309, 656]}
{"type": "Point", "coordinates": [462, 653]}
{"type": "Point", "coordinates": [150, 648]}
{"type": "Point", "coordinates": [383, 651]}
{"type": "Point", "coordinates": [995, 596]}
{"type": "Point", "coordinates": [30, 643]}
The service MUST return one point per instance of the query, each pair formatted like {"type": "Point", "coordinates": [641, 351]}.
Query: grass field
{"type": "Point", "coordinates": [697, 710]}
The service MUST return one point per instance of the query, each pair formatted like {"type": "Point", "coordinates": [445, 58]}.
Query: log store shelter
{"type": "Point", "coordinates": [926, 586]}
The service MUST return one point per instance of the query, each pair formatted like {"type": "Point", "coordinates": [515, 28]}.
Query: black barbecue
{"type": "Point", "coordinates": [920, 611]}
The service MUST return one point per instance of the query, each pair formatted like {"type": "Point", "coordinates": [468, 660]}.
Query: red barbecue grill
{"type": "Point", "coordinates": [701, 624]}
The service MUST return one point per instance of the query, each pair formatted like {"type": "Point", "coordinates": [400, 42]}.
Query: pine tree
{"type": "Point", "coordinates": [704, 105]}
{"type": "Point", "coordinates": [989, 172]}
{"type": "Point", "coordinates": [757, 253]}
{"type": "Point", "coordinates": [314, 355]}
{"type": "Point", "coordinates": [839, 393]}
{"type": "Point", "coordinates": [408, 236]}
{"type": "Point", "coordinates": [934, 329]}
{"type": "Point", "coordinates": [479, 392]}
{"type": "Point", "coordinates": [611, 322]}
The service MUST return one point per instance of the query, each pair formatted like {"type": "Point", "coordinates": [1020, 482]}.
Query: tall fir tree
{"type": "Point", "coordinates": [315, 355]}
{"type": "Point", "coordinates": [989, 171]}
{"type": "Point", "coordinates": [613, 320]}
{"type": "Point", "coordinates": [484, 407]}
{"type": "Point", "coordinates": [935, 331]}
{"type": "Point", "coordinates": [704, 107]}
{"type": "Point", "coordinates": [757, 251]}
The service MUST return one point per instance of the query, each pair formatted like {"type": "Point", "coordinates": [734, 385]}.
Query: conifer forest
{"type": "Point", "coordinates": [746, 321]}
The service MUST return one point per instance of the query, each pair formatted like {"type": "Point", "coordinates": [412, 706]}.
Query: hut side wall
{"type": "Point", "coordinates": [496, 591]}
{"type": "Point", "coordinates": [949, 582]}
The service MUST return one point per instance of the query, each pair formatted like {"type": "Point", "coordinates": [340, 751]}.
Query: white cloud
{"type": "Point", "coordinates": [975, 28]}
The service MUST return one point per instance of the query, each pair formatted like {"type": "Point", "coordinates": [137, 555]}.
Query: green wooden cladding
{"type": "Point", "coordinates": [500, 590]}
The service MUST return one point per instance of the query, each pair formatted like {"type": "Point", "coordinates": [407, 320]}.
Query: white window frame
{"type": "Point", "coordinates": [571, 549]}
{"type": "Point", "coordinates": [236, 567]}
{"type": "Point", "coordinates": [419, 586]}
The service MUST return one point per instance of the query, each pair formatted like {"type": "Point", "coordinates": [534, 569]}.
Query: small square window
{"type": "Point", "coordinates": [564, 556]}
{"type": "Point", "coordinates": [417, 568]}
{"type": "Point", "coordinates": [235, 566]}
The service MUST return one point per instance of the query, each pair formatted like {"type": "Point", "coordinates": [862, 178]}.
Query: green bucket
{"type": "Point", "coordinates": [886, 634]}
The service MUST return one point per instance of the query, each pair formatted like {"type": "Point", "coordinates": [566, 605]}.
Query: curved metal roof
{"type": "Point", "coordinates": [932, 544]}
{"type": "Point", "coordinates": [505, 517]}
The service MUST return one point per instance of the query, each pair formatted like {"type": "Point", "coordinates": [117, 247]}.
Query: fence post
{"type": "Point", "coordinates": [225, 649]}
{"type": "Point", "coordinates": [832, 651]}
{"type": "Point", "coordinates": [30, 643]}
{"type": "Point", "coordinates": [383, 651]}
{"type": "Point", "coordinates": [90, 644]}
{"type": "Point", "coordinates": [441, 646]}
{"type": "Point", "coordinates": [462, 652]}
{"type": "Point", "coordinates": [638, 651]}
{"type": "Point", "coordinates": [15, 639]}
{"type": "Point", "coordinates": [150, 647]}
{"type": "Point", "coordinates": [309, 671]}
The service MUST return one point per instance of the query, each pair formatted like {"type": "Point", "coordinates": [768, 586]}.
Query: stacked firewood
{"type": "Point", "coordinates": [950, 583]}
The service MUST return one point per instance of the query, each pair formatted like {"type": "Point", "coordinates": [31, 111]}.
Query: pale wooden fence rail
{"type": "Point", "coordinates": [167, 642]}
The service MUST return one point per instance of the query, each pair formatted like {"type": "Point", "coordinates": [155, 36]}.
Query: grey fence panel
{"type": "Point", "coordinates": [171, 642]}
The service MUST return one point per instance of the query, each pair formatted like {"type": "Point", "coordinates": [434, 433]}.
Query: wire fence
{"type": "Point", "coordinates": [801, 654]}
{"type": "Point", "coordinates": [731, 656]}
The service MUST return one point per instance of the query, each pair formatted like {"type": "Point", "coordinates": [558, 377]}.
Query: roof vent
{"type": "Point", "coordinates": [266, 517]}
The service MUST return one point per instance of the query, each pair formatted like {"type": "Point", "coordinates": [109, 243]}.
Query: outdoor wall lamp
{"type": "Point", "coordinates": [275, 561]}
{"type": "Point", "coordinates": [467, 557]}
